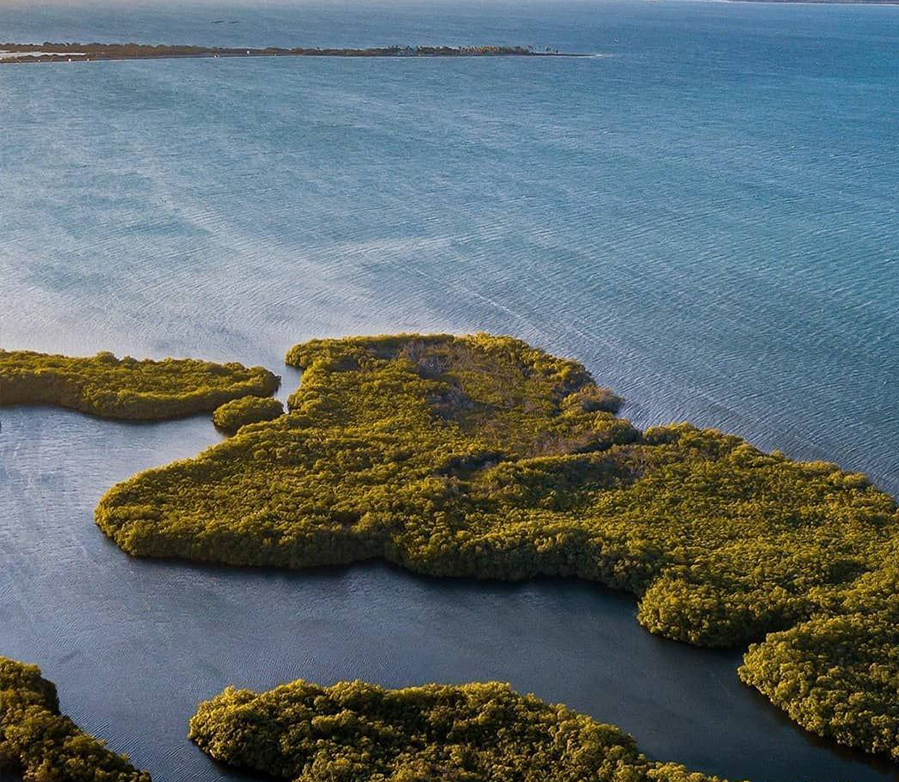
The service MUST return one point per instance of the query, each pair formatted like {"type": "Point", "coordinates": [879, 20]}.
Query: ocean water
{"type": "Point", "coordinates": [704, 213]}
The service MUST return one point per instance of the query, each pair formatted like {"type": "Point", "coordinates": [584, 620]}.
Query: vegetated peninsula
{"type": "Point", "coordinates": [109, 387]}
{"type": "Point", "coordinates": [483, 457]}
{"type": "Point", "coordinates": [359, 732]}
{"type": "Point", "coordinates": [66, 52]}
{"type": "Point", "coordinates": [42, 745]}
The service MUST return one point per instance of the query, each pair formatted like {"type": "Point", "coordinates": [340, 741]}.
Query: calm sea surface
{"type": "Point", "coordinates": [706, 213]}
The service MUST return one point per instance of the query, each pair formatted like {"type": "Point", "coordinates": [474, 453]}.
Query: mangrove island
{"type": "Point", "coordinates": [359, 732]}
{"type": "Point", "coordinates": [126, 388]}
{"type": "Point", "coordinates": [482, 457]}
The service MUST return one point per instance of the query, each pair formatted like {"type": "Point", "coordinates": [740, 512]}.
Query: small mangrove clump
{"type": "Point", "coordinates": [482, 457]}
{"type": "Point", "coordinates": [42, 745]}
{"type": "Point", "coordinates": [359, 732]}
{"type": "Point", "coordinates": [126, 388]}
{"type": "Point", "coordinates": [248, 410]}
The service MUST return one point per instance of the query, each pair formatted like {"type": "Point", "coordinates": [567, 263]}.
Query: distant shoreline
{"type": "Point", "coordinates": [18, 53]}
{"type": "Point", "coordinates": [820, 2]}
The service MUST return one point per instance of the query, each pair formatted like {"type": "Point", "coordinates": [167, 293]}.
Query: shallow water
{"type": "Point", "coordinates": [707, 218]}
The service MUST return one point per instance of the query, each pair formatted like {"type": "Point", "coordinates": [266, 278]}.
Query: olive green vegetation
{"type": "Point", "coordinates": [247, 410]}
{"type": "Point", "coordinates": [482, 457]}
{"type": "Point", "coordinates": [126, 388]}
{"type": "Point", "coordinates": [358, 732]}
{"type": "Point", "coordinates": [42, 745]}
{"type": "Point", "coordinates": [838, 674]}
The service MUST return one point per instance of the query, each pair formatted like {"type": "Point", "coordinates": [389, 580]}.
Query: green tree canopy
{"type": "Point", "coordinates": [358, 732]}
{"type": "Point", "coordinates": [126, 388]}
{"type": "Point", "coordinates": [41, 744]}
{"type": "Point", "coordinates": [483, 457]}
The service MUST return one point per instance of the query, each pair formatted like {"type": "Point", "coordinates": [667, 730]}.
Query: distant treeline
{"type": "Point", "coordinates": [827, 2]}
{"type": "Point", "coordinates": [49, 51]}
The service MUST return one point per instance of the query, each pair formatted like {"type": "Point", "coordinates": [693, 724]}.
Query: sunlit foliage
{"type": "Point", "coordinates": [483, 457]}
{"type": "Point", "coordinates": [126, 388]}
{"type": "Point", "coordinates": [42, 745]}
{"type": "Point", "coordinates": [358, 732]}
{"type": "Point", "coordinates": [246, 410]}
{"type": "Point", "coordinates": [837, 675]}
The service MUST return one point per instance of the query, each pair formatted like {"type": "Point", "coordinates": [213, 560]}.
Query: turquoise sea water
{"type": "Point", "coordinates": [706, 213]}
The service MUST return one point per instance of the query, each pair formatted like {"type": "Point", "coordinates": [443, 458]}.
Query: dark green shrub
{"type": "Point", "coordinates": [248, 410]}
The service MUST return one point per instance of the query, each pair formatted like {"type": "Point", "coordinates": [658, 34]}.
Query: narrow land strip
{"type": "Point", "coordinates": [18, 53]}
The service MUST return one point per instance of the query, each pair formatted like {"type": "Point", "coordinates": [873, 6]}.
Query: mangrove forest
{"type": "Point", "coordinates": [359, 732]}
{"type": "Point", "coordinates": [482, 457]}
{"type": "Point", "coordinates": [42, 745]}
{"type": "Point", "coordinates": [126, 388]}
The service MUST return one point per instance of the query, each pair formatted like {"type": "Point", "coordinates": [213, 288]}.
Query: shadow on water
{"type": "Point", "coordinates": [134, 645]}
